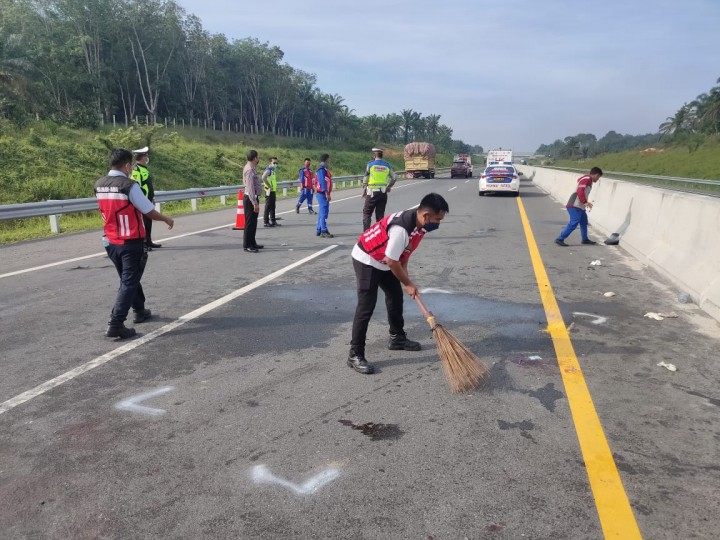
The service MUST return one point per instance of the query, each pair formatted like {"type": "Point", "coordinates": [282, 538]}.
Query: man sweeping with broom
{"type": "Point", "coordinates": [380, 260]}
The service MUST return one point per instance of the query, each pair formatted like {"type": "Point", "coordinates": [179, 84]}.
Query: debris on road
{"type": "Point", "coordinates": [596, 263]}
{"type": "Point", "coordinates": [613, 239]}
{"type": "Point", "coordinates": [653, 315]}
{"type": "Point", "coordinates": [668, 366]}
{"type": "Point", "coordinates": [626, 277]}
{"type": "Point", "coordinates": [609, 294]}
{"type": "Point", "coordinates": [669, 315]}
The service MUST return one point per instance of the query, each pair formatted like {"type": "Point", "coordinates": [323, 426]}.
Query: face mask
{"type": "Point", "coordinates": [429, 227]}
{"type": "Point", "coordinates": [147, 162]}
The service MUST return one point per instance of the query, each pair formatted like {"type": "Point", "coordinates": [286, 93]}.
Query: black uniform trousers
{"type": "Point", "coordinates": [129, 259]}
{"type": "Point", "coordinates": [269, 215]}
{"type": "Point", "coordinates": [369, 279]}
{"type": "Point", "coordinates": [148, 229]}
{"type": "Point", "coordinates": [251, 220]}
{"type": "Point", "coordinates": [376, 203]}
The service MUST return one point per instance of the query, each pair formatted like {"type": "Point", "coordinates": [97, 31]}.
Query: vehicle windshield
{"type": "Point", "coordinates": [499, 171]}
{"type": "Point", "coordinates": [459, 163]}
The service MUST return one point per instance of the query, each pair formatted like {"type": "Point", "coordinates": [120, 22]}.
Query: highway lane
{"type": "Point", "coordinates": [256, 389]}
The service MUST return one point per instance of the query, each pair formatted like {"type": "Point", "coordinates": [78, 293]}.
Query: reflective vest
{"type": "Point", "coordinates": [271, 181]}
{"type": "Point", "coordinates": [328, 182]}
{"type": "Point", "coordinates": [584, 185]}
{"type": "Point", "coordinates": [142, 176]}
{"type": "Point", "coordinates": [306, 178]}
{"type": "Point", "coordinates": [122, 220]}
{"type": "Point", "coordinates": [378, 173]}
{"type": "Point", "coordinates": [375, 239]}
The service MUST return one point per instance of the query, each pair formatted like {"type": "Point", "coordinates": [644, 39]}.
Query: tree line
{"type": "Point", "coordinates": [690, 125]}
{"type": "Point", "coordinates": [82, 62]}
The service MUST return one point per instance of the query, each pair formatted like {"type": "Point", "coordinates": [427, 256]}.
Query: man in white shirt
{"type": "Point", "coordinates": [380, 260]}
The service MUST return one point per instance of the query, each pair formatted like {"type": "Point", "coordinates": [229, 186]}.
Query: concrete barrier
{"type": "Point", "coordinates": [678, 234]}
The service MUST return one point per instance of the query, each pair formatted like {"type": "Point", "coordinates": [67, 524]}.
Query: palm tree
{"type": "Point", "coordinates": [432, 123]}
{"type": "Point", "coordinates": [408, 116]}
{"type": "Point", "coordinates": [14, 68]}
{"type": "Point", "coordinates": [683, 120]}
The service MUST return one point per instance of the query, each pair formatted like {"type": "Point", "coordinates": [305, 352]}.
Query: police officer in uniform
{"type": "Point", "coordinates": [269, 179]}
{"type": "Point", "coordinates": [380, 260]}
{"type": "Point", "coordinates": [142, 176]}
{"type": "Point", "coordinates": [123, 207]}
{"type": "Point", "coordinates": [379, 179]}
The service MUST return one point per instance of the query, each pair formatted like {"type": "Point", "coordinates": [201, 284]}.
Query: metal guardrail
{"type": "Point", "coordinates": [55, 208]}
{"type": "Point", "coordinates": [676, 183]}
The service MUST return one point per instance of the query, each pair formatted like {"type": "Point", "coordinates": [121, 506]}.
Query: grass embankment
{"type": "Point", "coordinates": [702, 163]}
{"type": "Point", "coordinates": [47, 161]}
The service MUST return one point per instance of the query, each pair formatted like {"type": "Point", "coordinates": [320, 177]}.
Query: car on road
{"type": "Point", "coordinates": [461, 169]}
{"type": "Point", "coordinates": [499, 178]}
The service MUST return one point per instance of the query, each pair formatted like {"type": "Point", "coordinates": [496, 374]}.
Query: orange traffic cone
{"type": "Point", "coordinates": [240, 218]}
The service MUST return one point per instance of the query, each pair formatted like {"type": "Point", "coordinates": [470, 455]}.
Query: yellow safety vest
{"type": "Point", "coordinates": [271, 181]}
{"type": "Point", "coordinates": [378, 174]}
{"type": "Point", "coordinates": [140, 174]}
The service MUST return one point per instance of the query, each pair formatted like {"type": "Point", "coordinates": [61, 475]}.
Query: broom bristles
{"type": "Point", "coordinates": [463, 370]}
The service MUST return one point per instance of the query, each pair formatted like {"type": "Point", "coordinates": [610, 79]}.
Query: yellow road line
{"type": "Point", "coordinates": [616, 516]}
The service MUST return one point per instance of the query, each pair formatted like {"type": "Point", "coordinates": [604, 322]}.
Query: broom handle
{"type": "Point", "coordinates": [426, 312]}
{"type": "Point", "coordinates": [429, 317]}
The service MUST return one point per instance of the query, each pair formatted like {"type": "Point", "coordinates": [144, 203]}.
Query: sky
{"type": "Point", "coordinates": [502, 73]}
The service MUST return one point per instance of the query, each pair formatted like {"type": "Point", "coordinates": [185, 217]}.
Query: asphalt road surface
{"type": "Point", "coordinates": [234, 415]}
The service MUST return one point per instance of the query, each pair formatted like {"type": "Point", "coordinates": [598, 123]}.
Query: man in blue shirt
{"type": "Point", "coordinates": [323, 187]}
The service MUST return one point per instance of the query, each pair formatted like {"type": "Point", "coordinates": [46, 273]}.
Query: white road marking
{"type": "Point", "coordinates": [261, 474]}
{"type": "Point", "coordinates": [131, 403]}
{"type": "Point", "coordinates": [103, 253]}
{"type": "Point", "coordinates": [454, 187]}
{"type": "Point", "coordinates": [135, 343]}
{"type": "Point", "coordinates": [431, 290]}
{"type": "Point", "coordinates": [597, 318]}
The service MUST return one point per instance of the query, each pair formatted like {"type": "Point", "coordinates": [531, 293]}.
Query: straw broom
{"type": "Point", "coordinates": [463, 370]}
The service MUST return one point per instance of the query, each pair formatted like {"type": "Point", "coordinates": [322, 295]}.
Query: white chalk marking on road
{"type": "Point", "coordinates": [103, 253]}
{"type": "Point", "coordinates": [431, 290]}
{"type": "Point", "coordinates": [454, 187]}
{"type": "Point", "coordinates": [131, 403]}
{"type": "Point", "coordinates": [597, 318]}
{"type": "Point", "coordinates": [261, 474]}
{"type": "Point", "coordinates": [135, 343]}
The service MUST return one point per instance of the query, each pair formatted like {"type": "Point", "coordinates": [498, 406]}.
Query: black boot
{"type": "Point", "coordinates": [142, 316]}
{"type": "Point", "coordinates": [121, 332]}
{"type": "Point", "coordinates": [400, 342]}
{"type": "Point", "coordinates": [359, 364]}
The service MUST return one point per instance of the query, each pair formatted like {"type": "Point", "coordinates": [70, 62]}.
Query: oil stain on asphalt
{"type": "Point", "coordinates": [376, 432]}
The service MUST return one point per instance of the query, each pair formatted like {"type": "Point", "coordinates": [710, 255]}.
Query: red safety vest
{"type": "Point", "coordinates": [306, 178]}
{"type": "Point", "coordinates": [122, 220]}
{"type": "Point", "coordinates": [375, 239]}
{"type": "Point", "coordinates": [328, 182]}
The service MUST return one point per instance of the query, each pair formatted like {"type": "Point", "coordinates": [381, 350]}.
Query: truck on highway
{"type": "Point", "coordinates": [463, 157]}
{"type": "Point", "coordinates": [419, 160]}
{"type": "Point", "coordinates": [499, 157]}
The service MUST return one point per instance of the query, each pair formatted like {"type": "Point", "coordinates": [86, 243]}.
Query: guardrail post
{"type": "Point", "coordinates": [55, 223]}
{"type": "Point", "coordinates": [193, 205]}
{"type": "Point", "coordinates": [158, 207]}
{"type": "Point", "coordinates": [284, 192]}
{"type": "Point", "coordinates": [223, 199]}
